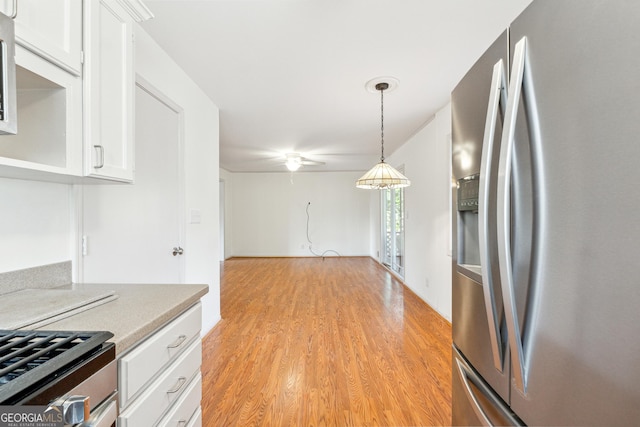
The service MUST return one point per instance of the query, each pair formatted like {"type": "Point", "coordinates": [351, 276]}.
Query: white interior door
{"type": "Point", "coordinates": [131, 230]}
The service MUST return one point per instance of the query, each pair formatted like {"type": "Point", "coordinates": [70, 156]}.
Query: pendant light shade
{"type": "Point", "coordinates": [382, 175]}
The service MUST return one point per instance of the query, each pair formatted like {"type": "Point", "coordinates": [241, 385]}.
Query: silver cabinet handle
{"type": "Point", "coordinates": [100, 151]}
{"type": "Point", "coordinates": [178, 385]}
{"type": "Point", "coordinates": [177, 251]}
{"type": "Point", "coordinates": [497, 99]}
{"type": "Point", "coordinates": [178, 342]}
{"type": "Point", "coordinates": [8, 96]}
{"type": "Point", "coordinates": [521, 81]}
{"type": "Point", "coordinates": [15, 10]}
{"type": "Point", "coordinates": [4, 104]}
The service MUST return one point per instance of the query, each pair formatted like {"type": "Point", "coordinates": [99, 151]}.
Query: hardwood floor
{"type": "Point", "coordinates": [333, 342]}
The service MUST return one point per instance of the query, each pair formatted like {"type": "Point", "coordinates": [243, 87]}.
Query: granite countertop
{"type": "Point", "coordinates": [139, 310]}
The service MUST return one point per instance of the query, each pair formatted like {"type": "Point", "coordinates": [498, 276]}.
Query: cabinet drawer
{"type": "Point", "coordinates": [196, 419]}
{"type": "Point", "coordinates": [144, 363]}
{"type": "Point", "coordinates": [184, 410]}
{"type": "Point", "coordinates": [166, 390]}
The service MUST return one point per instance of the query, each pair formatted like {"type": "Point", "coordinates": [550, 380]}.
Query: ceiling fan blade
{"type": "Point", "coordinates": [308, 162]}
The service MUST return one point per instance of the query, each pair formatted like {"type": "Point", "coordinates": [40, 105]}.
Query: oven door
{"type": "Point", "coordinates": [87, 392]}
{"type": "Point", "coordinates": [99, 393]}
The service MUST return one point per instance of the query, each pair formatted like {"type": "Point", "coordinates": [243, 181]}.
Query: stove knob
{"type": "Point", "coordinates": [75, 409]}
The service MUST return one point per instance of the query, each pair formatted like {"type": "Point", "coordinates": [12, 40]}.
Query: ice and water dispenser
{"type": "Point", "coordinates": [468, 248]}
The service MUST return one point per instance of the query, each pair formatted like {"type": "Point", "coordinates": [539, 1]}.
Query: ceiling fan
{"type": "Point", "coordinates": [294, 161]}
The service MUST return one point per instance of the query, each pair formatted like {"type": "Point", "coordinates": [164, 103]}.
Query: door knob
{"type": "Point", "coordinates": [177, 251]}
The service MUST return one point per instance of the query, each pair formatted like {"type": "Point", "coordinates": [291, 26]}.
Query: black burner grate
{"type": "Point", "coordinates": [28, 357]}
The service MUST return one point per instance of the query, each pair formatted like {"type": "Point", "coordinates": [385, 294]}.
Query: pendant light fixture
{"type": "Point", "coordinates": [382, 175]}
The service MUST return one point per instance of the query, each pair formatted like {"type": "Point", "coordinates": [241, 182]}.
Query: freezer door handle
{"type": "Point", "coordinates": [520, 82]}
{"type": "Point", "coordinates": [497, 409]}
{"type": "Point", "coordinates": [497, 100]}
{"type": "Point", "coordinates": [467, 376]}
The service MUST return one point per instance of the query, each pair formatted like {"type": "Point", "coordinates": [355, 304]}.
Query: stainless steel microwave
{"type": "Point", "coordinates": [8, 110]}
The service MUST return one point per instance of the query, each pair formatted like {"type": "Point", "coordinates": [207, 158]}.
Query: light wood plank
{"type": "Point", "coordinates": [333, 342]}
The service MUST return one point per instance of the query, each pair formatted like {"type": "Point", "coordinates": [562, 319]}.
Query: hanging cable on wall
{"type": "Point", "coordinates": [311, 243]}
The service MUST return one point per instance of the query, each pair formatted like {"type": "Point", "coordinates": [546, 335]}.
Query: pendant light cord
{"type": "Point", "coordinates": [382, 124]}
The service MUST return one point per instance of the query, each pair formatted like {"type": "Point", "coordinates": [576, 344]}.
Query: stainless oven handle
{"type": "Point", "coordinates": [104, 415]}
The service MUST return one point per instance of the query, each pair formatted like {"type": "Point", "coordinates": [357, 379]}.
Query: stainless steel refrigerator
{"type": "Point", "coordinates": [546, 265]}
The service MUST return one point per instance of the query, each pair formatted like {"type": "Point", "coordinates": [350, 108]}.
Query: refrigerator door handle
{"type": "Point", "coordinates": [497, 98]}
{"type": "Point", "coordinates": [520, 81]}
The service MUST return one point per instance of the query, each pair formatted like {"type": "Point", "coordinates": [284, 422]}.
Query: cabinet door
{"type": "Point", "coordinates": [52, 29]}
{"type": "Point", "coordinates": [109, 84]}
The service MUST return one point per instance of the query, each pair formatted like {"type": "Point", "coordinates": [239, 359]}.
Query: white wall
{"type": "Point", "coordinates": [269, 213]}
{"type": "Point", "coordinates": [201, 142]}
{"type": "Point", "coordinates": [426, 157]}
{"type": "Point", "coordinates": [35, 224]}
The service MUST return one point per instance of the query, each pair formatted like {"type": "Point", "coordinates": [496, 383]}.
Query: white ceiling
{"type": "Point", "coordinates": [290, 75]}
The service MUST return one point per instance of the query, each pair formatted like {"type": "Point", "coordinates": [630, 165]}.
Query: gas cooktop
{"type": "Point", "coordinates": [29, 360]}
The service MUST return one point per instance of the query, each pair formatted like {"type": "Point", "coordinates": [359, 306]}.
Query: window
{"type": "Point", "coordinates": [393, 229]}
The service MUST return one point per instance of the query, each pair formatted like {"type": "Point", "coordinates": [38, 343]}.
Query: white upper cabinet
{"type": "Point", "coordinates": [51, 29]}
{"type": "Point", "coordinates": [48, 144]}
{"type": "Point", "coordinates": [108, 88]}
{"type": "Point", "coordinates": [75, 90]}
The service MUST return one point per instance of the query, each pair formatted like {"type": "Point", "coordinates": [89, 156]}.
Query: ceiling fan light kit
{"type": "Point", "coordinates": [294, 161]}
{"type": "Point", "coordinates": [382, 175]}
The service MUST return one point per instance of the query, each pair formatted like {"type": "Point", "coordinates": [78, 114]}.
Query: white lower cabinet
{"type": "Point", "coordinates": [159, 380]}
